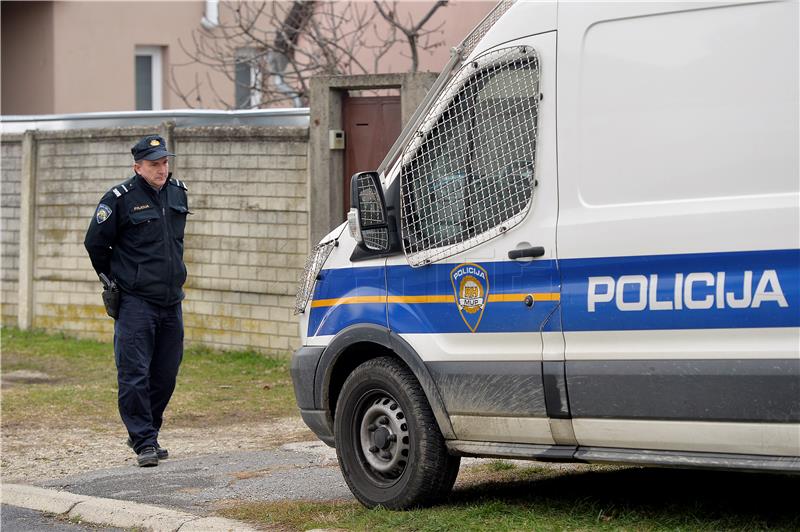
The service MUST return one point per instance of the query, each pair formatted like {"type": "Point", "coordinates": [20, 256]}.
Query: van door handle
{"type": "Point", "coordinates": [533, 252]}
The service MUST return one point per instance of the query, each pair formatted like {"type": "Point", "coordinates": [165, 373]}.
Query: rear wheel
{"type": "Point", "coordinates": [389, 446]}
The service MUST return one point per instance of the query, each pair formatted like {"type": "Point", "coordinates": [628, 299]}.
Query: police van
{"type": "Point", "coordinates": [585, 246]}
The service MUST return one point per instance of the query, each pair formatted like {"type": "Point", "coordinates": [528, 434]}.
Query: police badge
{"type": "Point", "coordinates": [471, 290]}
{"type": "Point", "coordinates": [103, 212]}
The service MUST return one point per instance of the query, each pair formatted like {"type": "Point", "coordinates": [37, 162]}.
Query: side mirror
{"type": "Point", "coordinates": [367, 218]}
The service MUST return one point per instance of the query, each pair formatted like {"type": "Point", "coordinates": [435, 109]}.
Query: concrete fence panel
{"type": "Point", "coordinates": [10, 177]}
{"type": "Point", "coordinates": [246, 239]}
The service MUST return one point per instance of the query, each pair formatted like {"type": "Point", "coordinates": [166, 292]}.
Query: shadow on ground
{"type": "Point", "coordinates": [681, 497]}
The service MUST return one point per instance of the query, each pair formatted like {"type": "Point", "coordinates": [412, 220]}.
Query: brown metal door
{"type": "Point", "coordinates": [371, 125]}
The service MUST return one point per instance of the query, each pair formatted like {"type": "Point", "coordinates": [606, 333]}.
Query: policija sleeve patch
{"type": "Point", "coordinates": [103, 212]}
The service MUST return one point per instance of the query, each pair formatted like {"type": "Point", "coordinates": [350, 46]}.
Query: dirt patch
{"type": "Point", "coordinates": [30, 455]}
{"type": "Point", "coordinates": [26, 376]}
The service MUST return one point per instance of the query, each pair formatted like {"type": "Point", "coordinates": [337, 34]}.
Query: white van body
{"type": "Point", "coordinates": [660, 321]}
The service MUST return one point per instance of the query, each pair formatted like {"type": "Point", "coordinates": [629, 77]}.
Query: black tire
{"type": "Point", "coordinates": [388, 443]}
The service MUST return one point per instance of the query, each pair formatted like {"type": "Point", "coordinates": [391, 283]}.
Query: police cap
{"type": "Point", "coordinates": [150, 148]}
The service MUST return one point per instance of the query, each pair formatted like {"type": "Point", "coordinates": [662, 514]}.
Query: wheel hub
{"type": "Point", "coordinates": [381, 438]}
{"type": "Point", "coordinates": [384, 437]}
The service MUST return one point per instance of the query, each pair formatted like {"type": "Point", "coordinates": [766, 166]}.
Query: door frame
{"type": "Point", "coordinates": [326, 166]}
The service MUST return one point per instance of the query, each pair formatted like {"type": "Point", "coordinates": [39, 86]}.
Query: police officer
{"type": "Point", "coordinates": [136, 239]}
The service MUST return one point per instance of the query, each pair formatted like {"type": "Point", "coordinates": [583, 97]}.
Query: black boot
{"type": "Point", "coordinates": [147, 457]}
{"type": "Point", "coordinates": [162, 453]}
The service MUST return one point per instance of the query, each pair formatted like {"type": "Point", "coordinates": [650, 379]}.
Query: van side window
{"type": "Point", "coordinates": [469, 177]}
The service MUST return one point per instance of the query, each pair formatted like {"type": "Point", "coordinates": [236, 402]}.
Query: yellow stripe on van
{"type": "Point", "coordinates": [514, 298]}
{"type": "Point", "coordinates": [411, 300]}
{"type": "Point", "coordinates": [355, 300]}
{"type": "Point", "coordinates": [421, 299]}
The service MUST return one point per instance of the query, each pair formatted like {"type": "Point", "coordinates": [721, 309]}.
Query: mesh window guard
{"type": "Point", "coordinates": [376, 239]}
{"type": "Point", "coordinates": [468, 174]}
{"type": "Point", "coordinates": [316, 259]}
{"type": "Point", "coordinates": [369, 202]}
{"type": "Point", "coordinates": [371, 213]}
{"type": "Point", "coordinates": [471, 41]}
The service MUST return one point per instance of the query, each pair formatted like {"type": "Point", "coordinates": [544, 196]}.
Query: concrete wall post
{"type": "Point", "coordinates": [167, 130]}
{"type": "Point", "coordinates": [325, 166]}
{"type": "Point", "coordinates": [413, 90]}
{"type": "Point", "coordinates": [27, 231]}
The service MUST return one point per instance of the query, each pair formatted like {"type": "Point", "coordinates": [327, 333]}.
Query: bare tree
{"type": "Point", "coordinates": [412, 31]}
{"type": "Point", "coordinates": [270, 50]}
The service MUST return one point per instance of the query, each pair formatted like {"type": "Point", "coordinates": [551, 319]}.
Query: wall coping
{"type": "Point", "coordinates": [242, 132]}
{"type": "Point", "coordinates": [371, 81]}
{"type": "Point", "coordinates": [238, 132]}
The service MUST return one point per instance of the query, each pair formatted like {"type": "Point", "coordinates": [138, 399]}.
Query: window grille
{"type": "Point", "coordinates": [371, 213]}
{"type": "Point", "coordinates": [314, 263]}
{"type": "Point", "coordinates": [468, 173]}
{"type": "Point", "coordinates": [471, 41]}
{"type": "Point", "coordinates": [369, 203]}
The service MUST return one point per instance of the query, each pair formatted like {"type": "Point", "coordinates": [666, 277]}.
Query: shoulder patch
{"type": "Point", "coordinates": [103, 213]}
{"type": "Point", "coordinates": [123, 188]}
{"type": "Point", "coordinates": [178, 183]}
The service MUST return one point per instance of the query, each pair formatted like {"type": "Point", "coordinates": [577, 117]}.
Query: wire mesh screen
{"type": "Point", "coordinates": [369, 202]}
{"type": "Point", "coordinates": [468, 175]}
{"type": "Point", "coordinates": [376, 239]}
{"type": "Point", "coordinates": [471, 41]}
{"type": "Point", "coordinates": [316, 259]}
{"type": "Point", "coordinates": [370, 211]}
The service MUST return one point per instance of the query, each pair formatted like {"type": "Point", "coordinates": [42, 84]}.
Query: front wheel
{"type": "Point", "coordinates": [389, 446]}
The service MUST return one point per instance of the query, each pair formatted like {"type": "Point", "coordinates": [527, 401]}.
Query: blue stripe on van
{"type": "Point", "coordinates": [506, 277]}
{"type": "Point", "coordinates": [348, 282]}
{"type": "Point", "coordinates": [509, 277]}
{"type": "Point", "coordinates": [607, 316]}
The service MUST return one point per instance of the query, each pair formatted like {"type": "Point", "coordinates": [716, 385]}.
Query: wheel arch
{"type": "Point", "coordinates": [357, 344]}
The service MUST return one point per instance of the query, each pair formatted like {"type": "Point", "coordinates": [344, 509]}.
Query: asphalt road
{"type": "Point", "coordinates": [199, 485]}
{"type": "Point", "coordinates": [13, 519]}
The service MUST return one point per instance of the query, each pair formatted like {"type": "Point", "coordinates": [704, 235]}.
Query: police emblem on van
{"type": "Point", "coordinates": [471, 290]}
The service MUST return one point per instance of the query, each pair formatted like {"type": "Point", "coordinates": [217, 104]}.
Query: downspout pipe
{"type": "Point", "coordinates": [283, 88]}
{"type": "Point", "coordinates": [277, 63]}
{"type": "Point", "coordinates": [211, 17]}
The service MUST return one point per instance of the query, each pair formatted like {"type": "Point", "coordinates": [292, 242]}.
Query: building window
{"type": "Point", "coordinates": [247, 79]}
{"type": "Point", "coordinates": [148, 78]}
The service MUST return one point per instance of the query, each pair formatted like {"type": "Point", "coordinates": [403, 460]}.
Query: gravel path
{"type": "Point", "coordinates": [204, 483]}
{"type": "Point", "coordinates": [31, 455]}
{"type": "Point", "coordinates": [208, 469]}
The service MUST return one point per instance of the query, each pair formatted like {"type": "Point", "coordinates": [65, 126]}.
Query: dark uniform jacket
{"type": "Point", "coordinates": [136, 239]}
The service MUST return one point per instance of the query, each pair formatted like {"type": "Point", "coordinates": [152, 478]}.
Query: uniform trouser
{"type": "Point", "coordinates": [148, 348]}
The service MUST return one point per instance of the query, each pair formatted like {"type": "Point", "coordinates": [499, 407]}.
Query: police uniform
{"type": "Point", "coordinates": [136, 239]}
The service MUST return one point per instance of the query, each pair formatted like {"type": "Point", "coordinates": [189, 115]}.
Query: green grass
{"type": "Point", "coordinates": [213, 388]}
{"type": "Point", "coordinates": [501, 465]}
{"type": "Point", "coordinates": [594, 498]}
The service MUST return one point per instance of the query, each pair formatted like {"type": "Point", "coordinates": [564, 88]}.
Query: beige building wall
{"type": "Point", "coordinates": [72, 57]}
{"type": "Point", "coordinates": [26, 58]}
{"type": "Point", "coordinates": [456, 19]}
{"type": "Point", "coordinates": [95, 49]}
